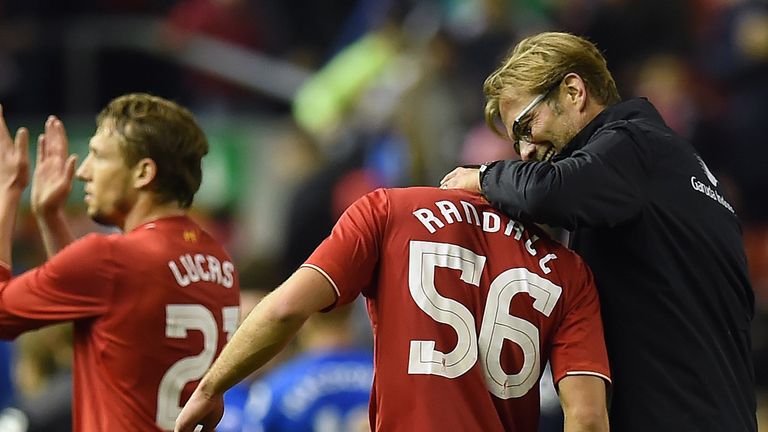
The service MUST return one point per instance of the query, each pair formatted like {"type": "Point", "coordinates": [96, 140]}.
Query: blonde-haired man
{"type": "Point", "coordinates": [649, 218]}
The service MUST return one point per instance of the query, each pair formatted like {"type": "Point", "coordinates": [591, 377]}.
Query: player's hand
{"type": "Point", "coordinates": [200, 410]}
{"type": "Point", "coordinates": [14, 158]}
{"type": "Point", "coordinates": [462, 178]}
{"type": "Point", "coordinates": [54, 169]}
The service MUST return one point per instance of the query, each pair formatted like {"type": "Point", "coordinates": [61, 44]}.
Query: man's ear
{"type": "Point", "coordinates": [576, 91]}
{"type": "Point", "coordinates": [144, 172]}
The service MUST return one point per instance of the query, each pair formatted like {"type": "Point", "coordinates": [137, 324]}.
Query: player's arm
{"type": "Point", "coordinates": [14, 176]}
{"type": "Point", "coordinates": [579, 358]}
{"type": "Point", "coordinates": [51, 185]}
{"type": "Point", "coordinates": [583, 400]}
{"type": "Point", "coordinates": [263, 334]}
{"type": "Point", "coordinates": [62, 289]}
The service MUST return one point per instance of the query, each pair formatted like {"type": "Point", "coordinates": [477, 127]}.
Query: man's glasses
{"type": "Point", "coordinates": [521, 130]}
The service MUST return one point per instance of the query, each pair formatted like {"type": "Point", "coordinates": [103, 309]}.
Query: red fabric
{"type": "Point", "coordinates": [117, 288]}
{"type": "Point", "coordinates": [372, 250]}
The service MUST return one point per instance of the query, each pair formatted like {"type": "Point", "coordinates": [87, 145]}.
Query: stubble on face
{"type": "Point", "coordinates": [564, 128]}
{"type": "Point", "coordinates": [553, 129]}
{"type": "Point", "coordinates": [118, 204]}
{"type": "Point", "coordinates": [111, 193]}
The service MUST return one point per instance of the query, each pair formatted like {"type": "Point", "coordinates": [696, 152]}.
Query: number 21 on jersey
{"type": "Point", "coordinates": [497, 323]}
{"type": "Point", "coordinates": [181, 318]}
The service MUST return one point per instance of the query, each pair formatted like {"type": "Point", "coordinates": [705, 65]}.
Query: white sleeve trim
{"type": "Point", "coordinates": [322, 272]}
{"type": "Point", "coordinates": [5, 265]}
{"type": "Point", "coordinates": [597, 374]}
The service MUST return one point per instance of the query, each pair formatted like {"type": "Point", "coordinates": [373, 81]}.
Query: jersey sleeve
{"type": "Point", "coordinates": [349, 256]}
{"type": "Point", "coordinates": [579, 345]}
{"type": "Point", "coordinates": [75, 283]}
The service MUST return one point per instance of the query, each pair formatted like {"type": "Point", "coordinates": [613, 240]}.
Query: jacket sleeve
{"type": "Point", "coordinates": [603, 184]}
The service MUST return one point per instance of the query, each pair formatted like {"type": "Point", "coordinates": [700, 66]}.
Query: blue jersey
{"type": "Point", "coordinates": [6, 384]}
{"type": "Point", "coordinates": [234, 405]}
{"type": "Point", "coordinates": [317, 391]}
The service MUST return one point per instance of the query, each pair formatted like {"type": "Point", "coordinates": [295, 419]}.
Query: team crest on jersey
{"type": "Point", "coordinates": [709, 174]}
{"type": "Point", "coordinates": [190, 236]}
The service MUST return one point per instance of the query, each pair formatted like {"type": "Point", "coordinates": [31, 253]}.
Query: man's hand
{"type": "Point", "coordinates": [54, 170]}
{"type": "Point", "coordinates": [462, 178]}
{"type": "Point", "coordinates": [14, 177]}
{"type": "Point", "coordinates": [14, 158]}
{"type": "Point", "coordinates": [200, 409]}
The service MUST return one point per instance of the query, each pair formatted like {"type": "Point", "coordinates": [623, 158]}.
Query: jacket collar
{"type": "Point", "coordinates": [631, 109]}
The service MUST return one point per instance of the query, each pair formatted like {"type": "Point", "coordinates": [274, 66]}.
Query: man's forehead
{"type": "Point", "coordinates": [107, 126]}
{"type": "Point", "coordinates": [105, 135]}
{"type": "Point", "coordinates": [512, 102]}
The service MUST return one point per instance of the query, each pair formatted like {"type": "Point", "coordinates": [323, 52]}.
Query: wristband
{"type": "Point", "coordinates": [483, 171]}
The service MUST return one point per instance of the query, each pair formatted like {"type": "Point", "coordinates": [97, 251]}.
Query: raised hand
{"type": "Point", "coordinates": [14, 177]}
{"type": "Point", "coordinates": [14, 158]}
{"type": "Point", "coordinates": [54, 169]}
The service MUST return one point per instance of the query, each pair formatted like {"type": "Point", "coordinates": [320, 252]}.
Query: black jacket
{"type": "Point", "coordinates": [666, 250]}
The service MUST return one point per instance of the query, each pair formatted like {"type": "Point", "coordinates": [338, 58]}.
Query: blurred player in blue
{"type": "Point", "coordinates": [234, 407]}
{"type": "Point", "coordinates": [326, 388]}
{"type": "Point", "coordinates": [6, 385]}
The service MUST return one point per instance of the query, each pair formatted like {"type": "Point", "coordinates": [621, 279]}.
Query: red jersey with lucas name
{"type": "Point", "coordinates": [466, 306]}
{"type": "Point", "coordinates": [152, 308]}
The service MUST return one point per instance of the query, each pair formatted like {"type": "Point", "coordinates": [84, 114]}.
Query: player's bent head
{"type": "Point", "coordinates": [155, 128]}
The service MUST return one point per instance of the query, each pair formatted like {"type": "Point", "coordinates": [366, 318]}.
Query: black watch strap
{"type": "Point", "coordinates": [483, 171]}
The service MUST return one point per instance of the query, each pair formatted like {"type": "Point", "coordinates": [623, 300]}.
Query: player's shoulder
{"type": "Point", "coordinates": [92, 242]}
{"type": "Point", "coordinates": [431, 192]}
{"type": "Point", "coordinates": [181, 228]}
{"type": "Point", "coordinates": [564, 254]}
{"type": "Point", "coordinates": [545, 236]}
{"type": "Point", "coordinates": [423, 195]}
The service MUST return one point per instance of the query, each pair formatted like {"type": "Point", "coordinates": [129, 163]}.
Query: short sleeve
{"type": "Point", "coordinates": [349, 256]}
{"type": "Point", "coordinates": [579, 345]}
{"type": "Point", "coordinates": [75, 283]}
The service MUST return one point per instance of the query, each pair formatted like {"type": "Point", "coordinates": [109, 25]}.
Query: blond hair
{"type": "Point", "coordinates": [161, 130]}
{"type": "Point", "coordinates": [538, 63]}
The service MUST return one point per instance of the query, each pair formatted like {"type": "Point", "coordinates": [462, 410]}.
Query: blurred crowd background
{"type": "Point", "coordinates": [309, 104]}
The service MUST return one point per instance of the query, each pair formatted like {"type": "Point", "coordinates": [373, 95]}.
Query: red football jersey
{"type": "Point", "coordinates": [151, 310]}
{"type": "Point", "coordinates": [466, 306]}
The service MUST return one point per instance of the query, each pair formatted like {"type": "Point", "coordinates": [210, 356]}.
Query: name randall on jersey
{"type": "Point", "coordinates": [190, 268]}
{"type": "Point", "coordinates": [489, 222]}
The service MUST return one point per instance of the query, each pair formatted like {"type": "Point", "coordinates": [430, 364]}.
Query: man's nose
{"type": "Point", "coordinates": [80, 172]}
{"type": "Point", "coordinates": [527, 151]}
